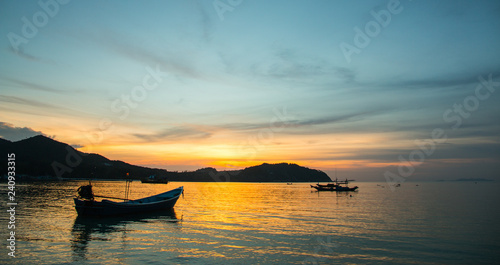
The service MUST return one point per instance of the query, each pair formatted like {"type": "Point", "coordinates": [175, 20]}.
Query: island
{"type": "Point", "coordinates": [43, 158]}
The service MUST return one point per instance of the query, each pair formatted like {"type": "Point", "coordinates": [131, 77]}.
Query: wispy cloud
{"type": "Point", "coordinates": [193, 131]}
{"type": "Point", "coordinates": [243, 126]}
{"type": "Point", "coordinates": [301, 126]}
{"type": "Point", "coordinates": [285, 63]}
{"type": "Point", "coordinates": [460, 78]}
{"type": "Point", "coordinates": [29, 85]}
{"type": "Point", "coordinates": [22, 54]}
{"type": "Point", "coordinates": [28, 102]}
{"type": "Point", "coordinates": [206, 22]}
{"type": "Point", "coordinates": [337, 118]}
{"type": "Point", "coordinates": [442, 151]}
{"type": "Point", "coordinates": [38, 108]}
{"type": "Point", "coordinates": [176, 134]}
{"type": "Point", "coordinates": [168, 62]}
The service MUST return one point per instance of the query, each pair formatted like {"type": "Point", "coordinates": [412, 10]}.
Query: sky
{"type": "Point", "coordinates": [370, 90]}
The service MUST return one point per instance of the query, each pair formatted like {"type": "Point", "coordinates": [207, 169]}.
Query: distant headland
{"type": "Point", "coordinates": [42, 158]}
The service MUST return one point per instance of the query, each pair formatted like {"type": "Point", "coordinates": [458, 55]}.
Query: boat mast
{"type": "Point", "coordinates": [336, 182]}
{"type": "Point", "coordinates": [127, 186]}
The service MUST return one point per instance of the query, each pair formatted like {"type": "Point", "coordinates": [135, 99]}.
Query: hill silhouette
{"type": "Point", "coordinates": [43, 156]}
{"type": "Point", "coordinates": [40, 156]}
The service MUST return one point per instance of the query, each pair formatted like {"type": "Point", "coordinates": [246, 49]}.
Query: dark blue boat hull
{"type": "Point", "coordinates": [164, 201]}
{"type": "Point", "coordinates": [334, 188]}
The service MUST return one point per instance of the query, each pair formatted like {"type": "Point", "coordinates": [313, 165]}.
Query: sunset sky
{"type": "Point", "coordinates": [357, 86]}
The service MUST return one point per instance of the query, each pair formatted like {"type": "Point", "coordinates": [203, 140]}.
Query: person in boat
{"type": "Point", "coordinates": [85, 192]}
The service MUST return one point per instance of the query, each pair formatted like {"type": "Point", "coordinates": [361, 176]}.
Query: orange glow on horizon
{"type": "Point", "coordinates": [325, 153]}
{"type": "Point", "coordinates": [230, 156]}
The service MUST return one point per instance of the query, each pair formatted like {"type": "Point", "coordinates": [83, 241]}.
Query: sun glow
{"type": "Point", "coordinates": [325, 152]}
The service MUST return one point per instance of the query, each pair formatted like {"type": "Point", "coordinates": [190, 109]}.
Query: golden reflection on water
{"type": "Point", "coordinates": [87, 229]}
{"type": "Point", "coordinates": [255, 223]}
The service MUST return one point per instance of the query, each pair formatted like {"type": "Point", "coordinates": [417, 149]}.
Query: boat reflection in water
{"type": "Point", "coordinates": [89, 229]}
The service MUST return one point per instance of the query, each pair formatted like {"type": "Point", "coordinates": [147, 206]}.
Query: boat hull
{"type": "Point", "coordinates": [164, 201]}
{"type": "Point", "coordinates": [334, 188]}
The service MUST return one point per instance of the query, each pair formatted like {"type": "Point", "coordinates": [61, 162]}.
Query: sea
{"type": "Point", "coordinates": [258, 223]}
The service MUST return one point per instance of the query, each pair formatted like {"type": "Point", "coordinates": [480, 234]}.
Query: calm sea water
{"type": "Point", "coordinates": [254, 223]}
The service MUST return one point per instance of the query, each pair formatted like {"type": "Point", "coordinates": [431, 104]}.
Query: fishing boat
{"type": "Point", "coordinates": [336, 186]}
{"type": "Point", "coordinates": [85, 203]}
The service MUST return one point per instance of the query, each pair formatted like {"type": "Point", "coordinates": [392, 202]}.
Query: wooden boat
{"type": "Point", "coordinates": [336, 186]}
{"type": "Point", "coordinates": [85, 203]}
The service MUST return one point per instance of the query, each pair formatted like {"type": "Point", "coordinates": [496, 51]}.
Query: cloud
{"type": "Point", "coordinates": [205, 21]}
{"type": "Point", "coordinates": [443, 81]}
{"type": "Point", "coordinates": [170, 63]}
{"type": "Point", "coordinates": [241, 126]}
{"type": "Point", "coordinates": [444, 151]}
{"type": "Point", "coordinates": [478, 130]}
{"type": "Point", "coordinates": [23, 101]}
{"type": "Point", "coordinates": [29, 85]}
{"type": "Point", "coordinates": [346, 74]}
{"type": "Point", "coordinates": [201, 132]}
{"type": "Point", "coordinates": [10, 132]}
{"type": "Point", "coordinates": [176, 134]}
{"type": "Point", "coordinates": [292, 125]}
{"type": "Point", "coordinates": [336, 118]}
{"type": "Point", "coordinates": [24, 55]}
{"type": "Point", "coordinates": [468, 151]}
{"type": "Point", "coordinates": [290, 64]}
{"type": "Point", "coordinates": [28, 56]}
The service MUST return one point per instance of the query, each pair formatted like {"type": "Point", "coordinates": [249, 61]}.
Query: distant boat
{"type": "Point", "coordinates": [85, 203]}
{"type": "Point", "coordinates": [336, 186]}
{"type": "Point", "coordinates": [154, 179]}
